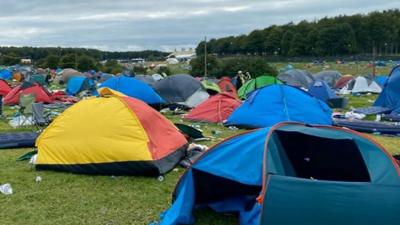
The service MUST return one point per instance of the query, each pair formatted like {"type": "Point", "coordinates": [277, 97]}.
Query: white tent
{"type": "Point", "coordinates": [361, 85]}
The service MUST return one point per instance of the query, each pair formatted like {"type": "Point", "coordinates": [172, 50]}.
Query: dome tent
{"type": "Point", "coordinates": [264, 175]}
{"type": "Point", "coordinates": [216, 109]}
{"type": "Point", "coordinates": [181, 89]}
{"type": "Point", "coordinates": [361, 85]}
{"type": "Point", "coordinates": [226, 85]}
{"type": "Point", "coordinates": [343, 81]}
{"type": "Point", "coordinates": [390, 96]}
{"type": "Point", "coordinates": [210, 85]}
{"type": "Point", "coordinates": [297, 78]}
{"type": "Point", "coordinates": [255, 83]}
{"type": "Point", "coordinates": [277, 103]}
{"type": "Point", "coordinates": [329, 76]}
{"type": "Point", "coordinates": [40, 93]}
{"type": "Point", "coordinates": [134, 88]}
{"type": "Point", "coordinates": [146, 79]}
{"type": "Point", "coordinates": [321, 90]}
{"type": "Point", "coordinates": [111, 135]}
{"type": "Point", "coordinates": [77, 84]}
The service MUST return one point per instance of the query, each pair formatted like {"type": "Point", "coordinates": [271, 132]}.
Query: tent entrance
{"type": "Point", "coordinates": [312, 157]}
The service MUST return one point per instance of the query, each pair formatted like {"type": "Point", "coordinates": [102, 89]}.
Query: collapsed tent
{"type": "Point", "coordinates": [343, 81]}
{"type": "Point", "coordinates": [297, 78]}
{"type": "Point", "coordinates": [264, 175]}
{"type": "Point", "coordinates": [113, 135]}
{"type": "Point", "coordinates": [277, 103]}
{"type": "Point", "coordinates": [216, 109]}
{"type": "Point", "coordinates": [226, 85]}
{"type": "Point", "coordinates": [181, 89]}
{"type": "Point", "coordinates": [133, 88]}
{"type": "Point", "coordinates": [390, 96]}
{"type": "Point", "coordinates": [4, 88]}
{"type": "Point", "coordinates": [256, 83]}
{"type": "Point", "coordinates": [40, 93]}
{"type": "Point", "coordinates": [329, 76]}
{"type": "Point", "coordinates": [361, 85]}
{"type": "Point", "coordinates": [78, 84]}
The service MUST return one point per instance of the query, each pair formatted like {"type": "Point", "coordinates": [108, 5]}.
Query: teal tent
{"type": "Point", "coordinates": [292, 174]}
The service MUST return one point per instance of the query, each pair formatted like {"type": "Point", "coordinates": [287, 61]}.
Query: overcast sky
{"type": "Point", "coordinates": [123, 25]}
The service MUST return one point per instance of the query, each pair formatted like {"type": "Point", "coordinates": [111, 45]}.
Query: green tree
{"type": "Point", "coordinates": [51, 61]}
{"type": "Point", "coordinates": [198, 66]}
{"type": "Point", "coordinates": [86, 63]}
{"type": "Point", "coordinates": [10, 59]}
{"type": "Point", "coordinates": [68, 61]}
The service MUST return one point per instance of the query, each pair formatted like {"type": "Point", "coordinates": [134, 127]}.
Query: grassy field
{"type": "Point", "coordinates": [63, 198]}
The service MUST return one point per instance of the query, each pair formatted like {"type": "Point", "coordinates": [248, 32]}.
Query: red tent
{"type": "Point", "coordinates": [226, 85]}
{"type": "Point", "coordinates": [41, 94]}
{"type": "Point", "coordinates": [4, 88]}
{"type": "Point", "coordinates": [216, 109]}
{"type": "Point", "coordinates": [343, 81]}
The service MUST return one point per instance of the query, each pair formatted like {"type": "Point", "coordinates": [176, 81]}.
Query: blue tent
{"type": "Point", "coordinates": [321, 90]}
{"type": "Point", "coordinates": [134, 88]}
{"type": "Point", "coordinates": [5, 74]}
{"type": "Point", "coordinates": [276, 103]}
{"type": "Point", "coordinates": [390, 95]}
{"type": "Point", "coordinates": [78, 84]}
{"type": "Point", "coordinates": [291, 174]}
{"type": "Point", "coordinates": [381, 80]}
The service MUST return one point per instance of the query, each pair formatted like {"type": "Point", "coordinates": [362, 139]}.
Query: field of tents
{"type": "Point", "coordinates": [108, 149]}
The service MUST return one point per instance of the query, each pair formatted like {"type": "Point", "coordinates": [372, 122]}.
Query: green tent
{"type": "Point", "coordinates": [210, 86]}
{"type": "Point", "coordinates": [256, 83]}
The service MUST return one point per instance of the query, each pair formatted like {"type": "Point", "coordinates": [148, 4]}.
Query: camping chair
{"type": "Point", "coordinates": [25, 106]}
{"type": "Point", "coordinates": [40, 119]}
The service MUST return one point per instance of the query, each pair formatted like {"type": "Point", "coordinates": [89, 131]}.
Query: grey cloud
{"type": "Point", "coordinates": [156, 24]}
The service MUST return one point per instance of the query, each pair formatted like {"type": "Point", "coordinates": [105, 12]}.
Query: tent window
{"type": "Point", "coordinates": [320, 158]}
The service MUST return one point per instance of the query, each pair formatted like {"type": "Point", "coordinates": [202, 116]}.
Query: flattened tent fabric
{"type": "Point", "coordinates": [343, 81]}
{"type": "Point", "coordinates": [113, 135]}
{"type": "Point", "coordinates": [216, 109]}
{"type": "Point", "coordinates": [157, 77]}
{"type": "Point", "coordinates": [77, 84]}
{"type": "Point", "coordinates": [226, 85]}
{"type": "Point", "coordinates": [256, 83]}
{"type": "Point", "coordinates": [329, 76]}
{"type": "Point", "coordinates": [4, 88]}
{"type": "Point", "coordinates": [181, 89]}
{"type": "Point", "coordinates": [134, 88]}
{"type": "Point", "coordinates": [361, 85]}
{"type": "Point", "coordinates": [321, 90]}
{"type": "Point", "coordinates": [5, 74]}
{"type": "Point", "coordinates": [390, 96]}
{"type": "Point", "coordinates": [277, 103]}
{"type": "Point", "coordinates": [40, 93]}
{"type": "Point", "coordinates": [297, 78]}
{"type": "Point", "coordinates": [262, 176]}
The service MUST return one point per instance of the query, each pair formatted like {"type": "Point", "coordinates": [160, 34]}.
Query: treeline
{"type": "Point", "coordinates": [376, 32]}
{"type": "Point", "coordinates": [14, 54]}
